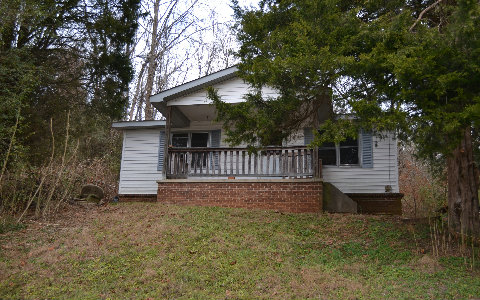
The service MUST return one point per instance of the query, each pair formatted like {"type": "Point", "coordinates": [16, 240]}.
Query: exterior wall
{"type": "Point", "coordinates": [139, 174]}
{"type": "Point", "coordinates": [355, 179]}
{"type": "Point", "coordinates": [281, 195]}
{"type": "Point", "coordinates": [349, 179]}
{"type": "Point", "coordinates": [231, 91]}
{"type": "Point", "coordinates": [138, 171]}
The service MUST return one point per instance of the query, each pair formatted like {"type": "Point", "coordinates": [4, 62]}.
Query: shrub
{"type": "Point", "coordinates": [424, 192]}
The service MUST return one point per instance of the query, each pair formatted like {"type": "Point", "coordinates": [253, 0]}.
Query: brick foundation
{"type": "Point", "coordinates": [379, 203]}
{"type": "Point", "coordinates": [296, 195]}
{"type": "Point", "coordinates": [137, 197]}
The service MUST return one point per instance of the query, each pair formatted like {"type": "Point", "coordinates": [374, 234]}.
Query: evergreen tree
{"type": "Point", "coordinates": [60, 56]}
{"type": "Point", "coordinates": [409, 66]}
{"type": "Point", "coordinates": [110, 27]}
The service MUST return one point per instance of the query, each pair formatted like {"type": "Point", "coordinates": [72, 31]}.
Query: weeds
{"type": "Point", "coordinates": [44, 189]}
{"type": "Point", "coordinates": [8, 224]}
{"type": "Point", "coordinates": [424, 193]}
{"type": "Point", "coordinates": [425, 198]}
{"type": "Point", "coordinates": [443, 242]}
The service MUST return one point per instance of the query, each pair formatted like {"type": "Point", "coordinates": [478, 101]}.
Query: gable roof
{"type": "Point", "coordinates": [194, 85]}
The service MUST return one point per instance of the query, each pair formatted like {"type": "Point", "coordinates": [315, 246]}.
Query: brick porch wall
{"type": "Point", "coordinates": [295, 195]}
{"type": "Point", "coordinates": [378, 203]}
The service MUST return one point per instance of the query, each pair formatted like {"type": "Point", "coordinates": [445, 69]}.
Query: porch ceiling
{"type": "Point", "coordinates": [198, 112]}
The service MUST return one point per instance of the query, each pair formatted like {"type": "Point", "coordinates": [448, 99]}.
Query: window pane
{"type": "Point", "coordinates": [349, 142]}
{"type": "Point", "coordinates": [328, 145]}
{"type": "Point", "coordinates": [199, 139]}
{"type": "Point", "coordinates": [328, 156]}
{"type": "Point", "coordinates": [180, 139]}
{"type": "Point", "coordinates": [349, 156]}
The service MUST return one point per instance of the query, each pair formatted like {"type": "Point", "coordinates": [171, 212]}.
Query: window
{"type": "Point", "coordinates": [180, 140]}
{"type": "Point", "coordinates": [199, 139]}
{"type": "Point", "coordinates": [328, 153]}
{"type": "Point", "coordinates": [345, 153]}
{"type": "Point", "coordinates": [194, 140]}
{"type": "Point", "coordinates": [349, 152]}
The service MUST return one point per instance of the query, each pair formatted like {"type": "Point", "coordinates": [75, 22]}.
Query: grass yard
{"type": "Point", "coordinates": [154, 251]}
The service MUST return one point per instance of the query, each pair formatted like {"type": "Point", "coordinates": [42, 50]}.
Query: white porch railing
{"type": "Point", "coordinates": [292, 162]}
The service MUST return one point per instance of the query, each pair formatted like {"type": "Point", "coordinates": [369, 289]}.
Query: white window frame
{"type": "Point", "coordinates": [337, 155]}
{"type": "Point", "coordinates": [189, 141]}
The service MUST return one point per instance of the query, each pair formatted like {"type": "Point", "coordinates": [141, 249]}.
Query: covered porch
{"type": "Point", "coordinates": [199, 168]}
{"type": "Point", "coordinates": [193, 144]}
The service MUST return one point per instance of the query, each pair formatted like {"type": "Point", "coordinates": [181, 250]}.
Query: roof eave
{"type": "Point", "coordinates": [138, 124]}
{"type": "Point", "coordinates": [194, 85]}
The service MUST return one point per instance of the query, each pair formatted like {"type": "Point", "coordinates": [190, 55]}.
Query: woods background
{"type": "Point", "coordinates": [69, 68]}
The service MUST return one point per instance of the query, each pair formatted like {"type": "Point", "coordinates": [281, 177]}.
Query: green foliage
{"type": "Point", "coordinates": [296, 47]}
{"type": "Point", "coordinates": [18, 77]}
{"type": "Point", "coordinates": [434, 78]}
{"type": "Point", "coordinates": [111, 27]}
{"type": "Point", "coordinates": [64, 75]}
{"type": "Point", "coordinates": [422, 80]}
{"type": "Point", "coordinates": [61, 56]}
{"type": "Point", "coordinates": [250, 123]}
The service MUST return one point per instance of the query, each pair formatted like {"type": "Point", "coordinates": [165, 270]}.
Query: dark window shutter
{"type": "Point", "coordinates": [307, 135]}
{"type": "Point", "coordinates": [161, 150]}
{"type": "Point", "coordinates": [367, 149]}
{"type": "Point", "coordinates": [215, 142]}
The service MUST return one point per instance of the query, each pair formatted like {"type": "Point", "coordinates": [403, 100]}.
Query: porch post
{"type": "Point", "coordinates": [323, 110]}
{"type": "Point", "coordinates": [167, 141]}
{"type": "Point", "coordinates": [315, 124]}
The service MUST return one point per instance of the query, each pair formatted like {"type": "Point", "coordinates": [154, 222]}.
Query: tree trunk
{"type": "Point", "coordinates": [152, 63]}
{"type": "Point", "coordinates": [138, 93]}
{"type": "Point", "coordinates": [463, 183]}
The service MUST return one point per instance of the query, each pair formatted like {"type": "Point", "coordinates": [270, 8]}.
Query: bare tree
{"type": "Point", "coordinates": [215, 50]}
{"type": "Point", "coordinates": [179, 39]}
{"type": "Point", "coordinates": [164, 32]}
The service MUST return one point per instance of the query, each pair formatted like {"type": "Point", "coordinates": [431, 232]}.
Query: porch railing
{"type": "Point", "coordinates": [293, 162]}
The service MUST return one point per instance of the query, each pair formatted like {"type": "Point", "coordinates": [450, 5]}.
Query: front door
{"type": "Point", "coordinates": [199, 140]}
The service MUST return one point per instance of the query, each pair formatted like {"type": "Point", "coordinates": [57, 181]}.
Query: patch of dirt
{"type": "Point", "coordinates": [355, 268]}
{"type": "Point", "coordinates": [428, 264]}
{"type": "Point", "coordinates": [319, 284]}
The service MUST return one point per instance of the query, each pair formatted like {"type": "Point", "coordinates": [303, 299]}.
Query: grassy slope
{"type": "Point", "coordinates": [145, 250]}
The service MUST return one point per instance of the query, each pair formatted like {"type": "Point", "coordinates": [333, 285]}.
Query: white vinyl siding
{"type": "Point", "coordinates": [139, 164]}
{"type": "Point", "coordinates": [231, 91]}
{"type": "Point", "coordinates": [138, 173]}
{"type": "Point", "coordinates": [355, 179]}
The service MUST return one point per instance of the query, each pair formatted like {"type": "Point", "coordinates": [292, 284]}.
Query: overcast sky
{"type": "Point", "coordinates": [224, 9]}
{"type": "Point", "coordinates": [183, 51]}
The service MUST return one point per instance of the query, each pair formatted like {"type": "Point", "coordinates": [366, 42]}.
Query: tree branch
{"type": "Point", "coordinates": [420, 16]}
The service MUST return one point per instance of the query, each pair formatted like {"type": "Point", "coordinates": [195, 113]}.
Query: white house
{"type": "Point", "coordinates": [189, 147]}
